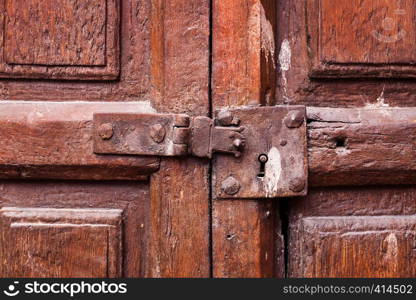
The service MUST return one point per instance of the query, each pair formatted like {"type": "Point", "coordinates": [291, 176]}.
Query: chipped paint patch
{"type": "Point", "coordinates": [380, 103]}
{"type": "Point", "coordinates": [285, 56]}
{"type": "Point", "coordinates": [285, 59]}
{"type": "Point", "coordinates": [273, 171]}
{"type": "Point", "coordinates": [391, 248]}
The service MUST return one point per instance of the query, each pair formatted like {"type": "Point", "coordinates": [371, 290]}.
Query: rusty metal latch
{"type": "Point", "coordinates": [265, 147]}
{"type": "Point", "coordinates": [164, 135]}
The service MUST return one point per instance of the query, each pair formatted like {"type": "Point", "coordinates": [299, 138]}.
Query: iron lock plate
{"type": "Point", "coordinates": [274, 161]}
{"type": "Point", "coordinates": [260, 152]}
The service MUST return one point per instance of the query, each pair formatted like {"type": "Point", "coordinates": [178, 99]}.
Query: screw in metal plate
{"type": "Point", "coordinates": [225, 118]}
{"type": "Point", "coordinates": [294, 119]}
{"type": "Point", "coordinates": [157, 133]}
{"type": "Point", "coordinates": [297, 185]}
{"type": "Point", "coordinates": [106, 131]}
{"type": "Point", "coordinates": [230, 186]}
{"type": "Point", "coordinates": [238, 143]}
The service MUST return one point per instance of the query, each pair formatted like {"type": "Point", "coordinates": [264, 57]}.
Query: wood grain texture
{"type": "Point", "coordinates": [179, 213]}
{"type": "Point", "coordinates": [361, 146]}
{"type": "Point", "coordinates": [132, 82]}
{"type": "Point", "coordinates": [60, 242]}
{"type": "Point", "coordinates": [358, 39]}
{"type": "Point", "coordinates": [295, 86]}
{"type": "Point", "coordinates": [244, 58]}
{"type": "Point", "coordinates": [245, 242]}
{"type": "Point", "coordinates": [361, 232]}
{"type": "Point", "coordinates": [246, 239]}
{"type": "Point", "coordinates": [54, 140]}
{"type": "Point", "coordinates": [71, 227]}
{"type": "Point", "coordinates": [73, 34]}
{"type": "Point", "coordinates": [178, 241]}
{"type": "Point", "coordinates": [75, 40]}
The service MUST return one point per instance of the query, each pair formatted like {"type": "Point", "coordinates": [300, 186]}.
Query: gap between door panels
{"type": "Point", "coordinates": [210, 114]}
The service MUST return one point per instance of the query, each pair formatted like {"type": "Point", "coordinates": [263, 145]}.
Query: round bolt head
{"type": "Point", "coordinates": [105, 131]}
{"type": "Point", "coordinates": [230, 186]}
{"type": "Point", "coordinates": [294, 119]}
{"type": "Point", "coordinates": [237, 143]}
{"type": "Point", "coordinates": [225, 118]}
{"type": "Point", "coordinates": [157, 133]}
{"type": "Point", "coordinates": [297, 185]}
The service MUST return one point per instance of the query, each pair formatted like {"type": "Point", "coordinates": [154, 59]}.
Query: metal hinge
{"type": "Point", "coordinates": [164, 135]}
{"type": "Point", "coordinates": [265, 147]}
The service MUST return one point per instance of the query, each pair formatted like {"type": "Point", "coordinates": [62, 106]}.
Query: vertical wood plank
{"type": "Point", "coordinates": [244, 52]}
{"type": "Point", "coordinates": [179, 236]}
{"type": "Point", "coordinates": [247, 240]}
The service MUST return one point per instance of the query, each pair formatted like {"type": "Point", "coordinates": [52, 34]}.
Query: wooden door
{"type": "Point", "coordinates": [65, 211]}
{"type": "Point", "coordinates": [68, 212]}
{"type": "Point", "coordinates": [352, 64]}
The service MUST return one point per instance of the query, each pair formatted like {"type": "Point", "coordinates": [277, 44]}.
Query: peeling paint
{"type": "Point", "coordinates": [273, 171]}
{"type": "Point", "coordinates": [285, 58]}
{"type": "Point", "coordinates": [391, 248]}
{"type": "Point", "coordinates": [380, 102]}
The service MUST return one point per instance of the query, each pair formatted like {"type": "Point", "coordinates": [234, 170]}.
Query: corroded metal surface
{"type": "Point", "coordinates": [274, 161]}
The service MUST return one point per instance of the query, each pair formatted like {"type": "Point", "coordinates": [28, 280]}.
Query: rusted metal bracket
{"type": "Point", "coordinates": [164, 135]}
{"type": "Point", "coordinates": [274, 161]}
{"type": "Point", "coordinates": [266, 155]}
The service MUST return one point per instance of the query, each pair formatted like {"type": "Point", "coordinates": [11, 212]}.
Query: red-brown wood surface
{"type": "Point", "coordinates": [360, 146]}
{"type": "Point", "coordinates": [75, 40]}
{"type": "Point", "coordinates": [66, 227]}
{"type": "Point", "coordinates": [164, 67]}
{"type": "Point", "coordinates": [84, 242]}
{"type": "Point", "coordinates": [52, 140]}
{"type": "Point", "coordinates": [179, 206]}
{"type": "Point", "coordinates": [246, 234]}
{"type": "Point", "coordinates": [370, 80]}
{"type": "Point", "coordinates": [353, 232]}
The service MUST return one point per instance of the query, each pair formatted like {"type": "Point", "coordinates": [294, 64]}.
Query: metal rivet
{"type": "Point", "coordinates": [294, 119]}
{"type": "Point", "coordinates": [106, 131]}
{"type": "Point", "coordinates": [238, 143]}
{"type": "Point", "coordinates": [157, 133]}
{"type": "Point", "coordinates": [297, 185]}
{"type": "Point", "coordinates": [225, 118]}
{"type": "Point", "coordinates": [230, 186]}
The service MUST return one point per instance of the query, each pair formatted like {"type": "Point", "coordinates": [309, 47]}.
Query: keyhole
{"type": "Point", "coordinates": [263, 158]}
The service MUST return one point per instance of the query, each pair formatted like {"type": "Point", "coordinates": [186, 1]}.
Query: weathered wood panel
{"type": "Point", "coordinates": [74, 228]}
{"type": "Point", "coordinates": [298, 41]}
{"type": "Point", "coordinates": [60, 242]}
{"type": "Point", "coordinates": [179, 240]}
{"type": "Point", "coordinates": [132, 82]}
{"type": "Point", "coordinates": [246, 239]}
{"type": "Point", "coordinates": [353, 232]}
{"type": "Point", "coordinates": [244, 58]}
{"type": "Point", "coordinates": [69, 34]}
{"type": "Point", "coordinates": [361, 146]}
{"type": "Point", "coordinates": [54, 140]}
{"type": "Point", "coordinates": [72, 40]}
{"type": "Point", "coordinates": [365, 38]}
